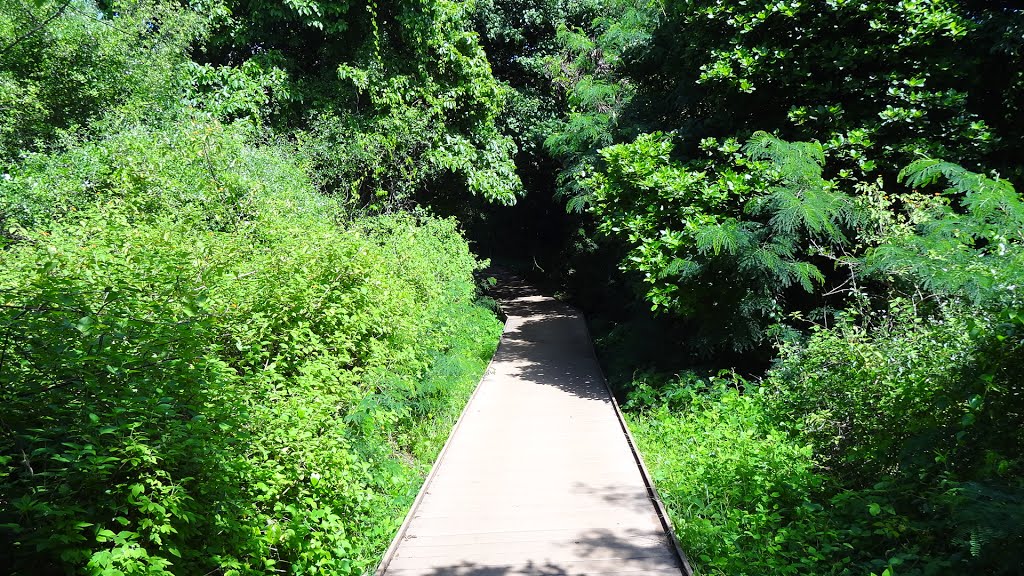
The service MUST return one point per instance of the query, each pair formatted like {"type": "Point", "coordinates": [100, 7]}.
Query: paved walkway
{"type": "Point", "coordinates": [538, 478]}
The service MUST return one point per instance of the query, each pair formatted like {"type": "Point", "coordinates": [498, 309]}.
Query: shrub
{"type": "Point", "coordinates": [742, 493]}
{"type": "Point", "coordinates": [206, 373]}
{"type": "Point", "coordinates": [916, 419]}
{"type": "Point", "coordinates": [731, 243]}
{"type": "Point", "coordinates": [90, 62]}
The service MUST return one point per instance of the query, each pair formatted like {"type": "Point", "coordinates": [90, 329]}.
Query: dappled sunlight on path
{"type": "Point", "coordinates": [538, 478]}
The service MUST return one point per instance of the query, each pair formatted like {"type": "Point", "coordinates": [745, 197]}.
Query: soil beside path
{"type": "Point", "coordinates": [538, 477]}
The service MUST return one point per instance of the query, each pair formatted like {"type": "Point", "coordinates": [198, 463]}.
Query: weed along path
{"type": "Point", "coordinates": [539, 477]}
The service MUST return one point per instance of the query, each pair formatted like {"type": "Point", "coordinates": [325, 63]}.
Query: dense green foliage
{"type": "Point", "coordinates": [869, 87]}
{"type": "Point", "coordinates": [737, 232]}
{"type": "Point", "coordinates": [184, 360]}
{"type": "Point", "coordinates": [213, 358]}
{"type": "Point", "coordinates": [875, 82]}
{"type": "Point", "coordinates": [742, 495]}
{"type": "Point", "coordinates": [824, 189]}
{"type": "Point", "coordinates": [887, 442]}
{"type": "Point", "coordinates": [395, 99]}
{"type": "Point", "coordinates": [898, 427]}
{"type": "Point", "coordinates": [78, 68]}
{"type": "Point", "coordinates": [233, 332]}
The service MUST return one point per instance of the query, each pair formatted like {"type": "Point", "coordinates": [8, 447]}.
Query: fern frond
{"type": "Point", "coordinates": [806, 274]}
{"type": "Point", "coordinates": [727, 236]}
{"type": "Point", "coordinates": [928, 171]}
{"type": "Point", "coordinates": [681, 268]}
{"type": "Point", "coordinates": [818, 211]}
{"type": "Point", "coordinates": [987, 515]}
{"type": "Point", "coordinates": [796, 161]}
{"type": "Point", "coordinates": [784, 246]}
{"type": "Point", "coordinates": [591, 93]}
{"type": "Point", "coordinates": [996, 202]}
{"type": "Point", "coordinates": [574, 40]}
{"type": "Point", "coordinates": [573, 189]}
{"type": "Point", "coordinates": [803, 200]}
{"type": "Point", "coordinates": [580, 202]}
{"type": "Point", "coordinates": [764, 259]}
{"type": "Point", "coordinates": [580, 132]}
{"type": "Point", "coordinates": [989, 200]}
{"type": "Point", "coordinates": [789, 210]}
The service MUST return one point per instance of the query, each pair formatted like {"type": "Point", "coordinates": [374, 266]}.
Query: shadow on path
{"type": "Point", "coordinates": [539, 479]}
{"type": "Point", "coordinates": [590, 545]}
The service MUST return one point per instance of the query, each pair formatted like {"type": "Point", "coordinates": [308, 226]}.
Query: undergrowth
{"type": "Point", "coordinates": [888, 444]}
{"type": "Point", "coordinates": [886, 438]}
{"type": "Point", "coordinates": [204, 372]}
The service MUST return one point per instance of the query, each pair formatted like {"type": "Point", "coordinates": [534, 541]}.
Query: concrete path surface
{"type": "Point", "coordinates": [538, 477]}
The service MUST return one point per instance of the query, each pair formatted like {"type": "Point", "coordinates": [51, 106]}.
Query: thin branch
{"type": "Point", "coordinates": [43, 308]}
{"type": "Point", "coordinates": [839, 289]}
{"type": "Point", "coordinates": [28, 12]}
{"type": "Point", "coordinates": [38, 27]}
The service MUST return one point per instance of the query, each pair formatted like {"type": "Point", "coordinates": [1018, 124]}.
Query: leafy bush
{"type": "Point", "coordinates": [873, 81]}
{"type": "Point", "coordinates": [917, 421]}
{"type": "Point", "coordinates": [203, 372]}
{"type": "Point", "coordinates": [908, 407]}
{"type": "Point", "coordinates": [914, 404]}
{"type": "Point", "coordinates": [65, 66]}
{"type": "Point", "coordinates": [389, 99]}
{"type": "Point", "coordinates": [967, 244]}
{"type": "Point", "coordinates": [201, 171]}
{"type": "Point", "coordinates": [742, 493]}
{"type": "Point", "coordinates": [721, 241]}
{"type": "Point", "coordinates": [890, 442]}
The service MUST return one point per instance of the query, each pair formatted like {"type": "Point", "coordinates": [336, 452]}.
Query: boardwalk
{"type": "Point", "coordinates": [538, 478]}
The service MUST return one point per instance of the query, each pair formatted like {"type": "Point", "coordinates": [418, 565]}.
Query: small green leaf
{"type": "Point", "coordinates": [85, 324]}
{"type": "Point", "coordinates": [975, 402]}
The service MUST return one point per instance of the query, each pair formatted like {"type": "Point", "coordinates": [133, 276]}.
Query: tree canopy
{"type": "Point", "coordinates": [794, 224]}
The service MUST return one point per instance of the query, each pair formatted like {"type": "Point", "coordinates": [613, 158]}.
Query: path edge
{"type": "Point", "coordinates": [652, 492]}
{"type": "Point", "coordinates": [389, 554]}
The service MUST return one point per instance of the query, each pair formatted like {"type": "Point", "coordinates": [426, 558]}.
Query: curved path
{"type": "Point", "coordinates": [539, 477]}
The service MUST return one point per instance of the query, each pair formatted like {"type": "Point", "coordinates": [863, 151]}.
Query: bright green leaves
{"type": "Point", "coordinates": [973, 251]}
{"type": "Point", "coordinates": [230, 92]}
{"type": "Point", "coordinates": [85, 327]}
{"type": "Point", "coordinates": [146, 413]}
{"type": "Point", "coordinates": [907, 404]}
{"type": "Point", "coordinates": [188, 338]}
{"type": "Point", "coordinates": [739, 234]}
{"type": "Point", "coordinates": [916, 77]}
{"type": "Point", "coordinates": [725, 237]}
{"type": "Point", "coordinates": [198, 171]}
{"type": "Point", "coordinates": [587, 68]}
{"type": "Point", "coordinates": [888, 439]}
{"type": "Point", "coordinates": [907, 411]}
{"type": "Point", "coordinates": [325, 16]}
{"type": "Point", "coordinates": [388, 98]}
{"type": "Point", "coordinates": [85, 65]}
{"type": "Point", "coordinates": [802, 201]}
{"type": "Point", "coordinates": [742, 494]}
